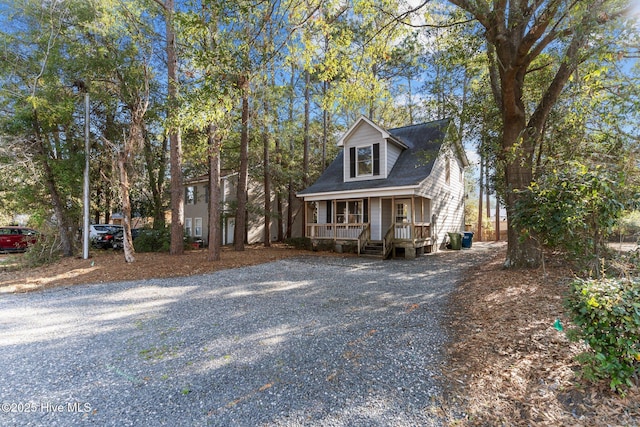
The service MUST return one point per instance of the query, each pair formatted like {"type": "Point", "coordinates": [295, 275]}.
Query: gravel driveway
{"type": "Point", "coordinates": [305, 341]}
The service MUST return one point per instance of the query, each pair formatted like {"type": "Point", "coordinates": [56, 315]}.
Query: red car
{"type": "Point", "coordinates": [16, 239]}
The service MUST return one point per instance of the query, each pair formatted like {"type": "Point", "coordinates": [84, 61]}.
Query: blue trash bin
{"type": "Point", "coordinates": [467, 239]}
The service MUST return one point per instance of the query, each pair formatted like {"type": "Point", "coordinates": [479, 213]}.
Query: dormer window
{"type": "Point", "coordinates": [364, 161]}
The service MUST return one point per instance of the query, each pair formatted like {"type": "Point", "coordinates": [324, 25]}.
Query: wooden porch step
{"type": "Point", "coordinates": [373, 249]}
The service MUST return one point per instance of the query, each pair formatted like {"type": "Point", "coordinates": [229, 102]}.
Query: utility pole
{"type": "Point", "coordinates": [83, 88]}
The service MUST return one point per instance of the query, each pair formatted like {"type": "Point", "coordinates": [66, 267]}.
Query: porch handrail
{"type": "Point", "coordinates": [364, 237]}
{"type": "Point", "coordinates": [387, 241]}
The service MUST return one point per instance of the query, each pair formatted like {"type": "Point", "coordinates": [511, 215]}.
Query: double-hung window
{"type": "Point", "coordinates": [197, 227]}
{"type": "Point", "coordinates": [364, 161]}
{"type": "Point", "coordinates": [188, 226]}
{"type": "Point", "coordinates": [350, 212]}
{"type": "Point", "coordinates": [190, 195]}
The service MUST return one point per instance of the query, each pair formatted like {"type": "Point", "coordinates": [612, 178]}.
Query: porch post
{"type": "Point", "coordinates": [393, 220]}
{"type": "Point", "coordinates": [304, 217]}
{"type": "Point", "coordinates": [413, 220]}
{"type": "Point", "coordinates": [334, 215]}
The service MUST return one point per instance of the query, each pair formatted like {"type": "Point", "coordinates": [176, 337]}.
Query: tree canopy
{"type": "Point", "coordinates": [266, 88]}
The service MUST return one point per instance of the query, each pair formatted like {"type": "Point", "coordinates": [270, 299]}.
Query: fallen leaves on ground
{"type": "Point", "coordinates": [509, 363]}
{"type": "Point", "coordinates": [109, 266]}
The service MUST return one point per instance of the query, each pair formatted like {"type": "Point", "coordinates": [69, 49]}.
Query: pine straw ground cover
{"type": "Point", "coordinates": [511, 366]}
{"type": "Point", "coordinates": [109, 266]}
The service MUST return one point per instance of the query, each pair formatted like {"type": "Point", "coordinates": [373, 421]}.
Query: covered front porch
{"type": "Point", "coordinates": [383, 226]}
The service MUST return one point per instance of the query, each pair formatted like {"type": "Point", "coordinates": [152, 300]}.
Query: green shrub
{"type": "Point", "coordinates": [299, 243]}
{"type": "Point", "coordinates": [572, 208]}
{"type": "Point", "coordinates": [607, 312]}
{"type": "Point", "coordinates": [46, 250]}
{"type": "Point", "coordinates": [325, 246]}
{"type": "Point", "coordinates": [153, 240]}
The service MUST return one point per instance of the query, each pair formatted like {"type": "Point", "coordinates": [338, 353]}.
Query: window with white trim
{"type": "Point", "coordinates": [188, 227]}
{"type": "Point", "coordinates": [197, 227]}
{"type": "Point", "coordinates": [402, 212]}
{"type": "Point", "coordinates": [350, 212]}
{"type": "Point", "coordinates": [190, 195]}
{"type": "Point", "coordinates": [364, 161]}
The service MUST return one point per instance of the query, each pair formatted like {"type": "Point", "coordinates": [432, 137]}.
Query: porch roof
{"type": "Point", "coordinates": [414, 164]}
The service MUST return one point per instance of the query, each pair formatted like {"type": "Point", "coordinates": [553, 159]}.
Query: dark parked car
{"type": "Point", "coordinates": [17, 239]}
{"type": "Point", "coordinates": [105, 237]}
{"type": "Point", "coordinates": [119, 237]}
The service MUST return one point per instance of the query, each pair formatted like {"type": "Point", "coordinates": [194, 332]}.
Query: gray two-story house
{"type": "Point", "coordinates": [394, 192]}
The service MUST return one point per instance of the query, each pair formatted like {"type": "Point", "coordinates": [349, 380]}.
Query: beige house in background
{"type": "Point", "coordinates": [196, 210]}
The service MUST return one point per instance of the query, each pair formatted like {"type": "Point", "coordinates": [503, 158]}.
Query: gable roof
{"type": "Point", "coordinates": [423, 142]}
{"type": "Point", "coordinates": [385, 133]}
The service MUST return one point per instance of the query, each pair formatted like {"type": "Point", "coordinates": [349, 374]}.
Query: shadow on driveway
{"type": "Point", "coordinates": [307, 341]}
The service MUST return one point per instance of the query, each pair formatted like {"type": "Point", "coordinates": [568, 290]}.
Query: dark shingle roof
{"type": "Point", "coordinates": [413, 165]}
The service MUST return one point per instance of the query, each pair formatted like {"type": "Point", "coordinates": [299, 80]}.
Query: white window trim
{"type": "Point", "coordinates": [195, 227]}
{"type": "Point", "coordinates": [190, 201]}
{"type": "Point", "coordinates": [347, 213]}
{"type": "Point", "coordinates": [358, 174]}
{"type": "Point", "coordinates": [188, 227]}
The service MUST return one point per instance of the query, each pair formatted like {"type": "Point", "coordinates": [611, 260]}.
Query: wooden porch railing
{"type": "Point", "coordinates": [387, 241]}
{"type": "Point", "coordinates": [336, 231]}
{"type": "Point", "coordinates": [364, 237]}
{"type": "Point", "coordinates": [412, 232]}
{"type": "Point", "coordinates": [361, 233]}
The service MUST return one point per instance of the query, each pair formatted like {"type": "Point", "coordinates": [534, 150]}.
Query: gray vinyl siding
{"type": "Point", "coordinates": [364, 135]}
{"type": "Point", "coordinates": [322, 212]}
{"type": "Point", "coordinates": [228, 186]}
{"type": "Point", "coordinates": [447, 199]}
{"type": "Point", "coordinates": [392, 153]}
{"type": "Point", "coordinates": [375, 218]}
{"type": "Point", "coordinates": [387, 216]}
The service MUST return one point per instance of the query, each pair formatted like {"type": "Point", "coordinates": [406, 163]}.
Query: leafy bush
{"type": "Point", "coordinates": [607, 312]}
{"type": "Point", "coordinates": [573, 208]}
{"type": "Point", "coordinates": [325, 246]}
{"type": "Point", "coordinates": [46, 250]}
{"type": "Point", "coordinates": [153, 240]}
{"type": "Point", "coordinates": [300, 243]}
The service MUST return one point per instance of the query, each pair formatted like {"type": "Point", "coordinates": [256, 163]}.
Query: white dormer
{"type": "Point", "coordinates": [369, 151]}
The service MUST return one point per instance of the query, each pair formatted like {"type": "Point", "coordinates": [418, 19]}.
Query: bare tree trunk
{"type": "Point", "coordinates": [267, 178]}
{"type": "Point", "coordinates": [278, 193]}
{"type": "Point", "coordinates": [129, 251]}
{"type": "Point", "coordinates": [156, 170]}
{"type": "Point", "coordinates": [480, 198]}
{"type": "Point", "coordinates": [291, 190]}
{"type": "Point", "coordinates": [243, 174]}
{"type": "Point", "coordinates": [96, 215]}
{"type": "Point", "coordinates": [325, 127]}
{"type": "Point", "coordinates": [497, 220]}
{"type": "Point", "coordinates": [131, 148]}
{"type": "Point", "coordinates": [175, 138]}
{"type": "Point", "coordinates": [215, 238]}
{"type": "Point", "coordinates": [306, 149]}
{"type": "Point", "coordinates": [50, 182]}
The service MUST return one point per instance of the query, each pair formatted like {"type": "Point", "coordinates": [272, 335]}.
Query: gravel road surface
{"type": "Point", "coordinates": [299, 342]}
